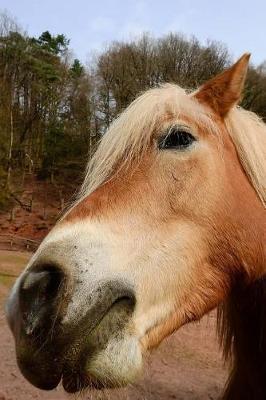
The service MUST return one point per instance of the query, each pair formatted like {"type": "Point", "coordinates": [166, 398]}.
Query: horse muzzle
{"type": "Point", "coordinates": [57, 326]}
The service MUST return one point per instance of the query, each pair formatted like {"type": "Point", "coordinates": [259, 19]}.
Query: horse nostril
{"type": "Point", "coordinates": [38, 294]}
{"type": "Point", "coordinates": [46, 281]}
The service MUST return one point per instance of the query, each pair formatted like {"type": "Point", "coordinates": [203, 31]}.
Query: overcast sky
{"type": "Point", "coordinates": [90, 24]}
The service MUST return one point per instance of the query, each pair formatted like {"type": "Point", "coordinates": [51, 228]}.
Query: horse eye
{"type": "Point", "coordinates": [176, 139]}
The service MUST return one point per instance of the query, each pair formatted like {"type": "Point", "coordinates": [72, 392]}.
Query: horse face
{"type": "Point", "coordinates": [141, 255]}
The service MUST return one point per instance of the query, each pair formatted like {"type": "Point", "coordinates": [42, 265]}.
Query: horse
{"type": "Point", "coordinates": [169, 224]}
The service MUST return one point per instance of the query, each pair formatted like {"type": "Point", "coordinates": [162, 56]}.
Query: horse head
{"type": "Point", "coordinates": [169, 217]}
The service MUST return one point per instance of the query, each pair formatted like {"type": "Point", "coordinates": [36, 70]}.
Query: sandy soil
{"type": "Point", "coordinates": [187, 366]}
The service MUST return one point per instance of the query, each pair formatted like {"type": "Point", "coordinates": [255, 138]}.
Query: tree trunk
{"type": "Point", "coordinates": [10, 147]}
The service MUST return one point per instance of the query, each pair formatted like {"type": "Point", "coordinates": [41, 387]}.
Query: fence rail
{"type": "Point", "coordinates": [16, 243]}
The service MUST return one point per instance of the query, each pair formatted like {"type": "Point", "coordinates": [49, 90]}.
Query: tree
{"type": "Point", "coordinates": [54, 44]}
{"type": "Point", "coordinates": [53, 110]}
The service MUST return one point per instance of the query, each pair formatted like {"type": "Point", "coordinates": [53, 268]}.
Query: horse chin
{"type": "Point", "coordinates": [73, 382]}
{"type": "Point", "coordinates": [117, 365]}
{"type": "Point", "coordinates": [109, 357]}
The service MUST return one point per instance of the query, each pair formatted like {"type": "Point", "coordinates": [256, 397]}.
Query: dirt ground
{"type": "Point", "coordinates": [187, 366]}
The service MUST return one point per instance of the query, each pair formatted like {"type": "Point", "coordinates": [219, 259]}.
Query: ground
{"type": "Point", "coordinates": [187, 366]}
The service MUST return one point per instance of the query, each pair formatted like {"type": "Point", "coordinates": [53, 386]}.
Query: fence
{"type": "Point", "coordinates": [17, 243]}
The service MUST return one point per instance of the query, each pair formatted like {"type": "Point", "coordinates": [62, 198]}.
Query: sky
{"type": "Point", "coordinates": [92, 24]}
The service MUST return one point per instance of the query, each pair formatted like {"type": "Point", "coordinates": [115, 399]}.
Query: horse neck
{"type": "Point", "coordinates": [244, 336]}
{"type": "Point", "coordinates": [242, 318]}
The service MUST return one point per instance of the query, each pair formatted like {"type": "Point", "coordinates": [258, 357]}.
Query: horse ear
{"type": "Point", "coordinates": [224, 91]}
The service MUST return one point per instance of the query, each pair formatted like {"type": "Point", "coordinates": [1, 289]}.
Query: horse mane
{"type": "Point", "coordinates": [248, 133]}
{"type": "Point", "coordinates": [241, 319]}
{"type": "Point", "coordinates": [131, 133]}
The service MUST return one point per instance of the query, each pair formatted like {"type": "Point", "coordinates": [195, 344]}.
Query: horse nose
{"type": "Point", "coordinates": [38, 297]}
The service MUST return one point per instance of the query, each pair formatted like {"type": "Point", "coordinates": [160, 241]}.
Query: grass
{"type": "Point", "coordinates": [6, 280]}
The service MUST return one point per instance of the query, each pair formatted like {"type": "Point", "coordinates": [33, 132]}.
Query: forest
{"type": "Point", "coordinates": [54, 109]}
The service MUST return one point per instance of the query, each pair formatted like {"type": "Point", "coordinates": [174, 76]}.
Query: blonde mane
{"type": "Point", "coordinates": [248, 133]}
{"type": "Point", "coordinates": [131, 133]}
